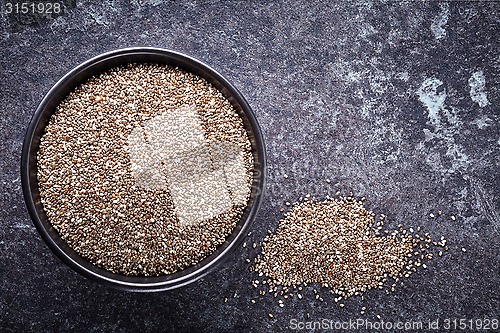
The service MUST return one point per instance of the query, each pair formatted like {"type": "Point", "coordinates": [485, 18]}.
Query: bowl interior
{"type": "Point", "coordinates": [41, 118]}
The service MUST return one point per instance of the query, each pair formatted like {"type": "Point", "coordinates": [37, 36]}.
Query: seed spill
{"type": "Point", "coordinates": [338, 244]}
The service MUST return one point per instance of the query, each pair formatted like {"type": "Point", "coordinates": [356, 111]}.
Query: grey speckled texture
{"type": "Point", "coordinates": [394, 101]}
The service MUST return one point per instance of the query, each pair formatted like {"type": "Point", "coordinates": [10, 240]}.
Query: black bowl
{"type": "Point", "coordinates": [41, 118]}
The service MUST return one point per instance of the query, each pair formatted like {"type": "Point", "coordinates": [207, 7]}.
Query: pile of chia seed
{"type": "Point", "coordinates": [339, 245]}
{"type": "Point", "coordinates": [85, 176]}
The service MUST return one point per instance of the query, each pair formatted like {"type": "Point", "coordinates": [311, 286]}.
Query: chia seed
{"type": "Point", "coordinates": [94, 198]}
{"type": "Point", "coordinates": [337, 244]}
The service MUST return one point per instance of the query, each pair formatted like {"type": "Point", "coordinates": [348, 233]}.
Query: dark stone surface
{"type": "Point", "coordinates": [374, 95]}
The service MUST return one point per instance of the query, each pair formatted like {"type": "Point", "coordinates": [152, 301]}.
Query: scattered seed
{"type": "Point", "coordinates": [309, 246]}
{"type": "Point", "coordinates": [307, 232]}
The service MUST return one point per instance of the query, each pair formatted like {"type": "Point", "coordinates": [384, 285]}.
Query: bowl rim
{"type": "Point", "coordinates": [258, 185]}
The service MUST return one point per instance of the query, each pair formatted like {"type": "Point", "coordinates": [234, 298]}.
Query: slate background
{"type": "Point", "coordinates": [375, 95]}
